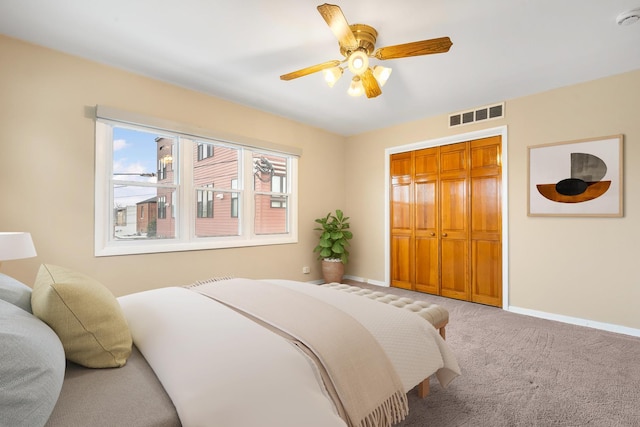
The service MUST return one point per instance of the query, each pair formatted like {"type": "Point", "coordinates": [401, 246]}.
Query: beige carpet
{"type": "Point", "coordinates": [523, 371]}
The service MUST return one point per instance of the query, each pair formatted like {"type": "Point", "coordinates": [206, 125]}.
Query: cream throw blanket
{"type": "Point", "coordinates": [360, 374]}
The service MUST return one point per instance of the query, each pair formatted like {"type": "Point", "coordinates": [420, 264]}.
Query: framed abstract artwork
{"type": "Point", "coordinates": [576, 178]}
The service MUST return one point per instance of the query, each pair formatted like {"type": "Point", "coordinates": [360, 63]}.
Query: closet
{"type": "Point", "coordinates": [446, 220]}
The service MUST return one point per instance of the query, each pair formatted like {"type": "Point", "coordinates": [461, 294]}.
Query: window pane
{"type": "Point", "coordinates": [269, 220]}
{"type": "Point", "coordinates": [215, 170]}
{"type": "Point", "coordinates": [143, 212]}
{"type": "Point", "coordinates": [142, 156]}
{"type": "Point", "coordinates": [221, 167]}
{"type": "Point", "coordinates": [265, 167]}
{"type": "Point", "coordinates": [270, 182]}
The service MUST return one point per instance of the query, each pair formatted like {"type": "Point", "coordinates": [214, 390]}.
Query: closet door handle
{"type": "Point", "coordinates": [444, 234]}
{"type": "Point", "coordinates": [432, 234]}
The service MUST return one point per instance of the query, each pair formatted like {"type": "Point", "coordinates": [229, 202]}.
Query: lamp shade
{"type": "Point", "coordinates": [332, 75]}
{"type": "Point", "coordinates": [16, 245]}
{"type": "Point", "coordinates": [356, 88]}
{"type": "Point", "coordinates": [381, 74]}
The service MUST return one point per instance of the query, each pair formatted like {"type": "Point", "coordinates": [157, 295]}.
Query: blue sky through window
{"type": "Point", "coordinates": [134, 153]}
{"type": "Point", "coordinates": [134, 160]}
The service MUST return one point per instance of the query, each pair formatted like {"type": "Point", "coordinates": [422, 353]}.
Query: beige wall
{"type": "Point", "coordinates": [47, 167]}
{"type": "Point", "coordinates": [584, 268]}
{"type": "Point", "coordinates": [577, 267]}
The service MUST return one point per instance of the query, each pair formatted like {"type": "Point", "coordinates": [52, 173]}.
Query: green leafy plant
{"type": "Point", "coordinates": [335, 236]}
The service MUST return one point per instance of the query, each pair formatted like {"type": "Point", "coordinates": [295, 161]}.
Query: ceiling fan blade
{"type": "Point", "coordinates": [334, 17]}
{"type": "Point", "coordinates": [310, 70]}
{"type": "Point", "coordinates": [424, 47]}
{"type": "Point", "coordinates": [370, 84]}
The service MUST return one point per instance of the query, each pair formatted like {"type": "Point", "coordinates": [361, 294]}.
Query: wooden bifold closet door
{"type": "Point", "coordinates": [446, 221]}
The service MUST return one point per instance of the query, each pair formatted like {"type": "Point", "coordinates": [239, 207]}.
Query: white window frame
{"type": "Point", "coordinates": [186, 212]}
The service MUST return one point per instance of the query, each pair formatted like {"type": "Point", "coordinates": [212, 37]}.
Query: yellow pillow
{"type": "Point", "coordinates": [84, 314]}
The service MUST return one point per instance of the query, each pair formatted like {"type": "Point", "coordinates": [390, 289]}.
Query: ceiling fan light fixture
{"type": "Point", "coordinates": [381, 74]}
{"type": "Point", "coordinates": [358, 62]}
{"type": "Point", "coordinates": [357, 44]}
{"type": "Point", "coordinates": [356, 88]}
{"type": "Point", "coordinates": [332, 75]}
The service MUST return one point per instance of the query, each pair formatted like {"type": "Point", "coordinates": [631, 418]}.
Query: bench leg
{"type": "Point", "coordinates": [423, 388]}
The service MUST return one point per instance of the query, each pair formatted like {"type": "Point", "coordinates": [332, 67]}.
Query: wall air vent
{"type": "Point", "coordinates": [479, 114]}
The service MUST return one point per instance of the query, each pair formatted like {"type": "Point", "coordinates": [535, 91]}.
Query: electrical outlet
{"type": "Point", "coordinates": [306, 270]}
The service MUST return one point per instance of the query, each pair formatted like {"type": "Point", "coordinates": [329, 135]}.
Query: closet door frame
{"type": "Point", "coordinates": [497, 131]}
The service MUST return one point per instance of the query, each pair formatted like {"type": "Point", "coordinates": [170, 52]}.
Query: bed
{"type": "Point", "coordinates": [231, 353]}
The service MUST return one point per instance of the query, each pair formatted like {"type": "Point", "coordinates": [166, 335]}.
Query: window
{"type": "Point", "coordinates": [205, 203]}
{"type": "Point", "coordinates": [234, 199]}
{"type": "Point", "coordinates": [278, 185]}
{"type": "Point", "coordinates": [121, 216]}
{"type": "Point", "coordinates": [205, 151]}
{"type": "Point", "coordinates": [162, 207]}
{"type": "Point", "coordinates": [185, 197]}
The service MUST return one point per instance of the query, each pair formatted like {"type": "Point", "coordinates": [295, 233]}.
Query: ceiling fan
{"type": "Point", "coordinates": [357, 45]}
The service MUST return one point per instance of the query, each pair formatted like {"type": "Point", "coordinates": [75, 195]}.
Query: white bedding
{"type": "Point", "coordinates": [220, 368]}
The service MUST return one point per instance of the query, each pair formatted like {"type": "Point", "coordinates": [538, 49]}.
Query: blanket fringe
{"type": "Point", "coordinates": [392, 411]}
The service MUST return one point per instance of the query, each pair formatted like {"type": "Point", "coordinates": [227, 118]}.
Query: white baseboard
{"type": "Point", "coordinates": [576, 321]}
{"type": "Point", "coordinates": [541, 314]}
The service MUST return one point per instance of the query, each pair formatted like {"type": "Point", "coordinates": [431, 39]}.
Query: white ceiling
{"type": "Point", "coordinates": [236, 50]}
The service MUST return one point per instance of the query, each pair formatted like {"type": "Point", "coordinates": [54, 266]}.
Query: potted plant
{"type": "Point", "coordinates": [332, 247]}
